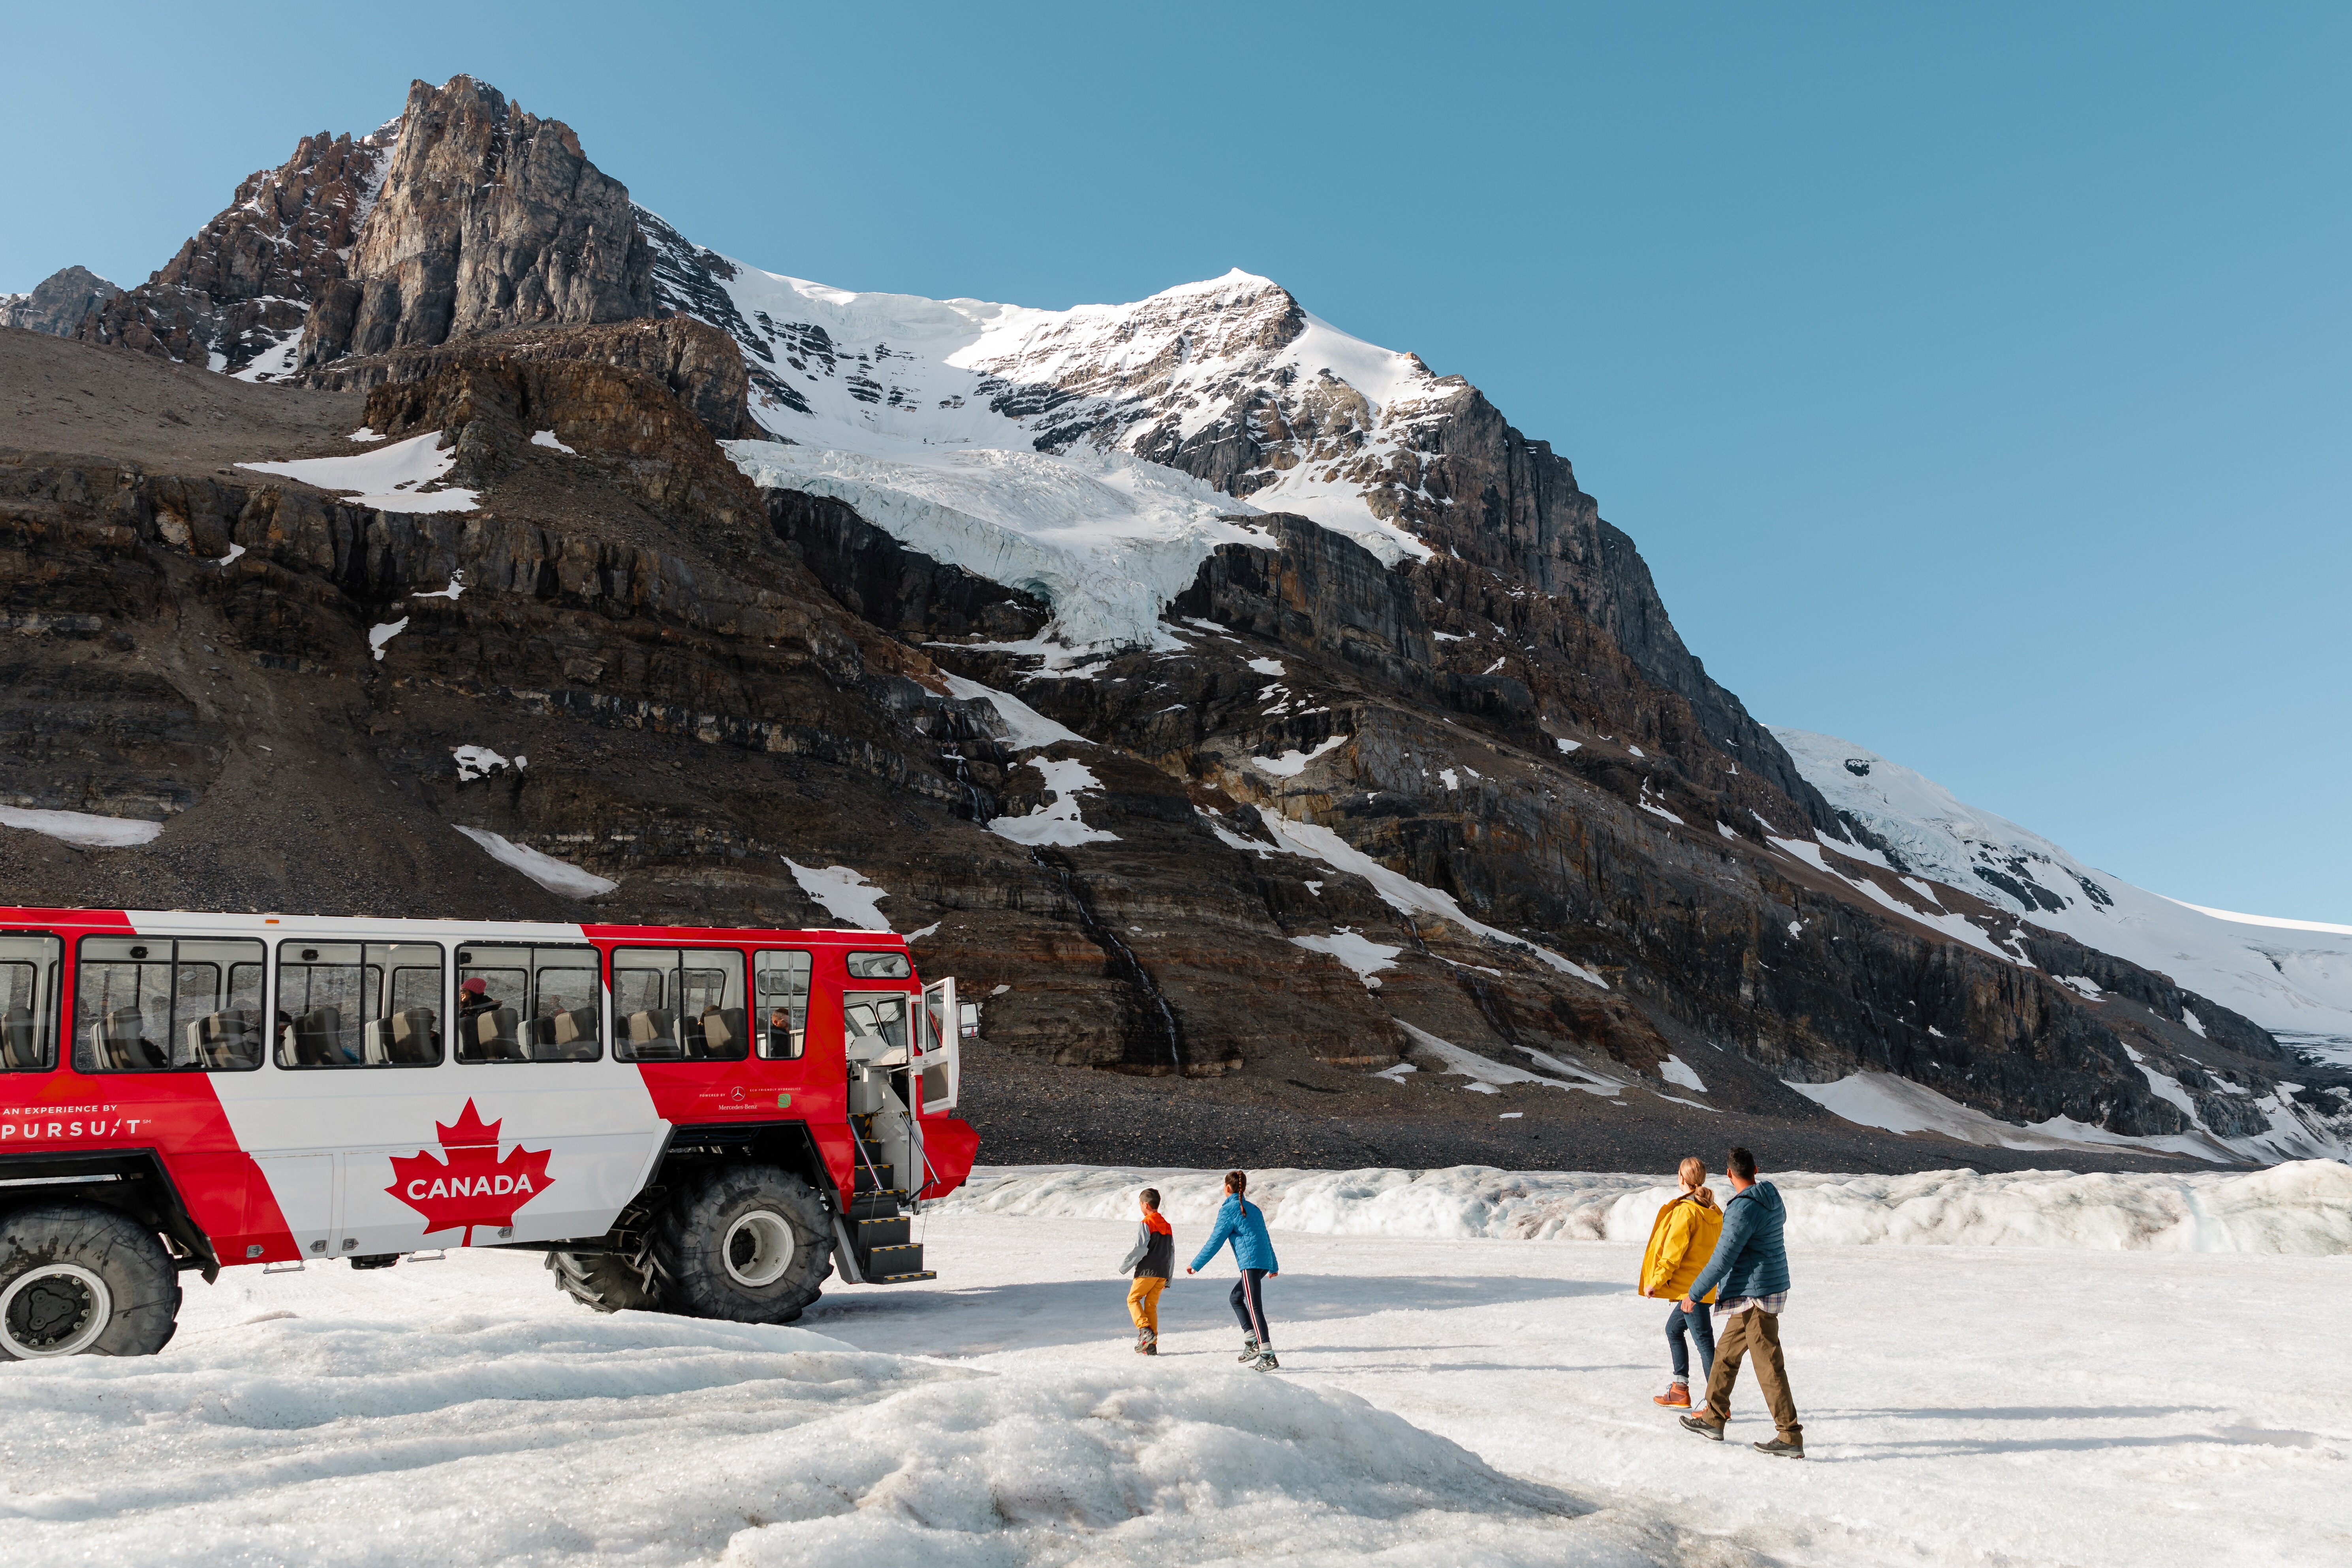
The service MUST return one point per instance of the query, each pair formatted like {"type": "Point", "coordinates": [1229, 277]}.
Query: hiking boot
{"type": "Point", "coordinates": [1676, 1397]}
{"type": "Point", "coordinates": [1249, 1348]}
{"type": "Point", "coordinates": [1143, 1340]}
{"type": "Point", "coordinates": [1781, 1447]}
{"type": "Point", "coordinates": [1151, 1347]}
{"type": "Point", "coordinates": [1264, 1361]}
{"type": "Point", "coordinates": [1705, 1428]}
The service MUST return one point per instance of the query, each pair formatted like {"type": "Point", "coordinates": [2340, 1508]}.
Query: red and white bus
{"type": "Point", "coordinates": [697, 1121]}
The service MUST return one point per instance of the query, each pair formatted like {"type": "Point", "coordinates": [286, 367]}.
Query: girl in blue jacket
{"type": "Point", "coordinates": [1243, 1223]}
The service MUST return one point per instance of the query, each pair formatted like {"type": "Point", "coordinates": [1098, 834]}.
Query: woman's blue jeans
{"type": "Point", "coordinates": [1701, 1325]}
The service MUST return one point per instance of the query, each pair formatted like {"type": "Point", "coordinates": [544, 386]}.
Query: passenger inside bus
{"type": "Point", "coordinates": [524, 1003]}
{"type": "Point", "coordinates": [358, 1004]}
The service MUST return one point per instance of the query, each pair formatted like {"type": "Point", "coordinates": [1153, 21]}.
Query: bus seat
{"type": "Point", "coordinates": [725, 1033]}
{"type": "Point", "coordinates": [239, 1045]}
{"type": "Point", "coordinates": [318, 1039]}
{"type": "Point", "coordinates": [120, 1046]}
{"type": "Point", "coordinates": [647, 1036]}
{"type": "Point", "coordinates": [490, 1035]}
{"type": "Point", "coordinates": [569, 1036]}
{"type": "Point", "coordinates": [223, 1041]}
{"type": "Point", "coordinates": [16, 1044]}
{"type": "Point", "coordinates": [403, 1039]}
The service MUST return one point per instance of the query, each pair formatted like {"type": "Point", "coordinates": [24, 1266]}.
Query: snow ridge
{"type": "Point", "coordinates": [2303, 1208]}
{"type": "Point", "coordinates": [2293, 978]}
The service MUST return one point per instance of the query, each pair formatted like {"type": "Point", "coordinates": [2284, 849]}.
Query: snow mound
{"type": "Point", "coordinates": [2304, 1208]}
{"type": "Point", "coordinates": [389, 479]}
{"type": "Point", "coordinates": [556, 876]}
{"type": "Point", "coordinates": [2289, 976]}
{"type": "Point", "coordinates": [84, 828]}
{"type": "Point", "coordinates": [845, 894]}
{"type": "Point", "coordinates": [491, 1438]}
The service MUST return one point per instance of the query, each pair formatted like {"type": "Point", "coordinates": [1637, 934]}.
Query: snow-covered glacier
{"type": "Point", "coordinates": [1020, 444]}
{"type": "Point", "coordinates": [2291, 977]}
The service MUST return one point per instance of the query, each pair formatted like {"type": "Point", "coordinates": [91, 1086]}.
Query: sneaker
{"type": "Point", "coordinates": [1780, 1447]}
{"type": "Point", "coordinates": [1676, 1397]}
{"type": "Point", "coordinates": [1705, 1428]}
{"type": "Point", "coordinates": [1249, 1348]}
{"type": "Point", "coordinates": [1264, 1361]}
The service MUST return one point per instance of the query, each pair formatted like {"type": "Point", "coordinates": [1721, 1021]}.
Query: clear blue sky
{"type": "Point", "coordinates": [1976, 379]}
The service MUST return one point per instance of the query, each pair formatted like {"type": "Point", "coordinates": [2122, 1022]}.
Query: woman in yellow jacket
{"type": "Point", "coordinates": [1680, 1240]}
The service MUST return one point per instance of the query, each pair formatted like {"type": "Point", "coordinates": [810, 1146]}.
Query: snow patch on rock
{"type": "Point", "coordinates": [391, 479]}
{"type": "Point", "coordinates": [1057, 820]}
{"type": "Point", "coordinates": [1358, 952]}
{"type": "Point", "coordinates": [1400, 892]}
{"type": "Point", "coordinates": [1293, 763]}
{"type": "Point", "coordinates": [87, 829]}
{"type": "Point", "coordinates": [1025, 727]}
{"type": "Point", "coordinates": [556, 876]}
{"type": "Point", "coordinates": [844, 894]}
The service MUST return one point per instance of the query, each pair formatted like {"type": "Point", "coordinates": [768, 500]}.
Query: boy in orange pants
{"type": "Point", "coordinates": [1153, 1259]}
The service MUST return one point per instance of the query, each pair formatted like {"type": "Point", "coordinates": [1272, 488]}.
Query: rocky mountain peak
{"type": "Point", "coordinates": [489, 217]}
{"type": "Point", "coordinates": [57, 303]}
{"type": "Point", "coordinates": [236, 294]}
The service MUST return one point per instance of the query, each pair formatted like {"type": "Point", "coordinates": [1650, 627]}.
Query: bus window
{"type": "Point", "coordinates": [28, 1001]}
{"type": "Point", "coordinates": [781, 980]}
{"type": "Point", "coordinates": [336, 1010]}
{"type": "Point", "coordinates": [881, 966]}
{"type": "Point", "coordinates": [523, 1003]}
{"type": "Point", "coordinates": [162, 1003]}
{"type": "Point", "coordinates": [679, 1004]}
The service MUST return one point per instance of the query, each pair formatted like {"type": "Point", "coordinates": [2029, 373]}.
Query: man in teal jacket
{"type": "Point", "coordinates": [1749, 1269]}
{"type": "Point", "coordinates": [1243, 1223]}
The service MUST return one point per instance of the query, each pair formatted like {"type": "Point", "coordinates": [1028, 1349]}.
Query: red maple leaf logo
{"type": "Point", "coordinates": [473, 1187]}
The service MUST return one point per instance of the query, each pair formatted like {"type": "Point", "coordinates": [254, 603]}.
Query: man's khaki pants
{"type": "Point", "coordinates": [1143, 1301]}
{"type": "Point", "coordinates": [1758, 1330]}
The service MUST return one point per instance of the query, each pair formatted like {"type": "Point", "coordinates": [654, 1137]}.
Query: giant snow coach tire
{"type": "Point", "coordinates": [81, 1279]}
{"type": "Point", "coordinates": [604, 1281]}
{"type": "Point", "coordinates": [749, 1244]}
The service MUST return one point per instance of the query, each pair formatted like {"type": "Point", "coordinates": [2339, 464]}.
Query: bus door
{"type": "Point", "coordinates": [939, 1069]}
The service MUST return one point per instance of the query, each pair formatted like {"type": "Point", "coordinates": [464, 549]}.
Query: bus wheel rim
{"type": "Point", "coordinates": [758, 1248]}
{"type": "Point", "coordinates": [57, 1308]}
